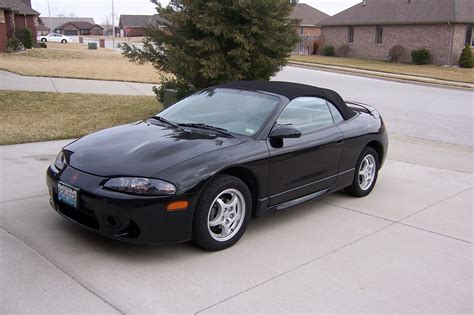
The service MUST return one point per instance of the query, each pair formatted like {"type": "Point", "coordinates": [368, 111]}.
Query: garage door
{"type": "Point", "coordinates": [70, 32]}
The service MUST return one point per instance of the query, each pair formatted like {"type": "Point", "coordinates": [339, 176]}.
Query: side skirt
{"type": "Point", "coordinates": [298, 201]}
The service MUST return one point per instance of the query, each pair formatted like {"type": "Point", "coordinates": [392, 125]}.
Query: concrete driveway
{"type": "Point", "coordinates": [408, 247]}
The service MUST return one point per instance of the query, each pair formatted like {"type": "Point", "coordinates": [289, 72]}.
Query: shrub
{"type": "Point", "coordinates": [396, 53]}
{"type": "Point", "coordinates": [466, 58]}
{"type": "Point", "coordinates": [14, 45]}
{"type": "Point", "coordinates": [25, 36]}
{"type": "Point", "coordinates": [420, 56]}
{"type": "Point", "coordinates": [41, 45]}
{"type": "Point", "coordinates": [343, 51]}
{"type": "Point", "coordinates": [329, 51]}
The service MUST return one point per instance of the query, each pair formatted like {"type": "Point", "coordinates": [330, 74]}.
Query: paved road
{"type": "Point", "coordinates": [415, 110]}
{"type": "Point", "coordinates": [12, 81]}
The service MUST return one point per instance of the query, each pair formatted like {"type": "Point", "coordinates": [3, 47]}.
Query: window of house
{"type": "Point", "coordinates": [307, 114]}
{"type": "Point", "coordinates": [378, 34]}
{"type": "Point", "coordinates": [301, 30]}
{"type": "Point", "coordinates": [351, 34]}
{"type": "Point", "coordinates": [469, 37]}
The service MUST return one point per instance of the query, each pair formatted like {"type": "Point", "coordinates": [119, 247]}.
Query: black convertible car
{"type": "Point", "coordinates": [201, 168]}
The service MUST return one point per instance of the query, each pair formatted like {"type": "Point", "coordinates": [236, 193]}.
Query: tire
{"type": "Point", "coordinates": [44, 40]}
{"type": "Point", "coordinates": [359, 187]}
{"type": "Point", "coordinates": [64, 41]}
{"type": "Point", "coordinates": [216, 226]}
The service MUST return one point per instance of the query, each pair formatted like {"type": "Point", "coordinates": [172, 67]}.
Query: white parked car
{"type": "Point", "coordinates": [53, 37]}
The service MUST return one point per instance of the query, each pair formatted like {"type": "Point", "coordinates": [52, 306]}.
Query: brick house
{"type": "Point", "coordinates": [134, 25]}
{"type": "Point", "coordinates": [76, 28]}
{"type": "Point", "coordinates": [52, 24]}
{"type": "Point", "coordinates": [13, 15]}
{"type": "Point", "coordinates": [310, 19]}
{"type": "Point", "coordinates": [372, 27]}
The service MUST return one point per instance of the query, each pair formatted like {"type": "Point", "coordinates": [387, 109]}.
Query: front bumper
{"type": "Point", "coordinates": [131, 218]}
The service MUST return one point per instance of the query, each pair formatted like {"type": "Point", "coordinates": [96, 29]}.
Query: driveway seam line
{"type": "Point", "coordinates": [434, 204]}
{"type": "Point", "coordinates": [126, 83]}
{"type": "Point", "coordinates": [54, 85]}
{"type": "Point", "coordinates": [436, 167]}
{"type": "Point", "coordinates": [24, 198]}
{"type": "Point", "coordinates": [436, 233]}
{"type": "Point", "coordinates": [294, 268]}
{"type": "Point", "coordinates": [405, 224]}
{"type": "Point", "coordinates": [64, 271]}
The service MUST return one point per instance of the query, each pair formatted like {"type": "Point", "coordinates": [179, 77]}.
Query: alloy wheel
{"type": "Point", "coordinates": [367, 171]}
{"type": "Point", "coordinates": [226, 215]}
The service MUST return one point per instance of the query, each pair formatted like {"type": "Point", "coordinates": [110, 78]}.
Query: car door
{"type": "Point", "coordinates": [56, 38]}
{"type": "Point", "coordinates": [308, 164]}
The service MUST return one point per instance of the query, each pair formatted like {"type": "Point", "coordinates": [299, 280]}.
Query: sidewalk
{"type": "Point", "coordinates": [382, 75]}
{"type": "Point", "coordinates": [12, 81]}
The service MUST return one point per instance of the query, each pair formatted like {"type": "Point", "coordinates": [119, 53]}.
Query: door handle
{"type": "Point", "coordinates": [339, 141]}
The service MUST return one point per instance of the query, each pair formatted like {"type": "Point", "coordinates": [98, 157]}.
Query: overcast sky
{"type": "Point", "coordinates": [99, 9]}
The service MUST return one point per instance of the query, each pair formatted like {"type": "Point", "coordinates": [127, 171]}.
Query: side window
{"type": "Point", "coordinates": [307, 114]}
{"type": "Point", "coordinates": [336, 115]}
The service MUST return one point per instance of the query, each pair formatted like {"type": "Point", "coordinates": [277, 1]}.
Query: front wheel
{"type": "Point", "coordinates": [64, 41]}
{"type": "Point", "coordinates": [366, 173]}
{"type": "Point", "coordinates": [44, 40]}
{"type": "Point", "coordinates": [222, 214]}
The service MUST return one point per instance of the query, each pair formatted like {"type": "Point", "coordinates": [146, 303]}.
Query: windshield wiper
{"type": "Point", "coordinates": [207, 127]}
{"type": "Point", "coordinates": [165, 121]}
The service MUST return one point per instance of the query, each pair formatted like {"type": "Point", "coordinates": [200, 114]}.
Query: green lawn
{"type": "Point", "coordinates": [38, 116]}
{"type": "Point", "coordinates": [428, 71]}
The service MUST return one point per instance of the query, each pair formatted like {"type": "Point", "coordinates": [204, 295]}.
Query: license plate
{"type": "Point", "coordinates": [68, 194]}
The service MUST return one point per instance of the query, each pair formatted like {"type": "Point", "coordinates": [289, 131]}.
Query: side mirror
{"type": "Point", "coordinates": [284, 132]}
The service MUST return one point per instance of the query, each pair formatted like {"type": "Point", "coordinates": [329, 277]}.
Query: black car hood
{"type": "Point", "coordinates": [142, 149]}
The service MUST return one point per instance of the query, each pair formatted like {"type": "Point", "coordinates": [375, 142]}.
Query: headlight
{"type": "Point", "coordinates": [60, 161]}
{"type": "Point", "coordinates": [141, 186]}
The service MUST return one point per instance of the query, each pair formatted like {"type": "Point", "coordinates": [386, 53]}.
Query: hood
{"type": "Point", "coordinates": [142, 149]}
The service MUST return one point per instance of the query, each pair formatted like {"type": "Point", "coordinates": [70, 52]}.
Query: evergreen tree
{"type": "Point", "coordinates": [208, 42]}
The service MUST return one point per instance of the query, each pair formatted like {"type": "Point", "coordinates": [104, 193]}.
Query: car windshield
{"type": "Point", "coordinates": [237, 111]}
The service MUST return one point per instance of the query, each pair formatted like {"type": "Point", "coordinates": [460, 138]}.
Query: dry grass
{"type": "Point", "coordinates": [76, 61]}
{"type": "Point", "coordinates": [37, 116]}
{"type": "Point", "coordinates": [429, 71]}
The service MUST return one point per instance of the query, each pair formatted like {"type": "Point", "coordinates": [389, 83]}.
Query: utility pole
{"type": "Point", "coordinates": [50, 22]}
{"type": "Point", "coordinates": [113, 26]}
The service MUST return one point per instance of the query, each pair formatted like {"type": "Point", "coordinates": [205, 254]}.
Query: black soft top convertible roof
{"type": "Point", "coordinates": [292, 91]}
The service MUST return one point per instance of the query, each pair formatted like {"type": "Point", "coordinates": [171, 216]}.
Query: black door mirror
{"type": "Point", "coordinates": [284, 132]}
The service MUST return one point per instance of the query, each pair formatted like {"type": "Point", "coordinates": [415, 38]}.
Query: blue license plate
{"type": "Point", "coordinates": [68, 194]}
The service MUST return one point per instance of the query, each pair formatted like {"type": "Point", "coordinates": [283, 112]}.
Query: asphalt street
{"type": "Point", "coordinates": [406, 248]}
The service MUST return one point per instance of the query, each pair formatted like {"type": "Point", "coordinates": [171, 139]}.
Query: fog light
{"type": "Point", "coordinates": [177, 205]}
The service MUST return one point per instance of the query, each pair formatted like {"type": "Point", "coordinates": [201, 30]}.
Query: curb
{"type": "Point", "coordinates": [384, 75]}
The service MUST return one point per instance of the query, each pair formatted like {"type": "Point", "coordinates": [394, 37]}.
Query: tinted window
{"type": "Point", "coordinates": [307, 114]}
{"type": "Point", "coordinates": [240, 112]}
{"type": "Point", "coordinates": [336, 115]}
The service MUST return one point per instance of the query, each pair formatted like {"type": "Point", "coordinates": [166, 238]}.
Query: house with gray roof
{"type": "Point", "coordinates": [134, 25]}
{"type": "Point", "coordinates": [15, 14]}
{"type": "Point", "coordinates": [310, 18]}
{"type": "Point", "coordinates": [52, 24]}
{"type": "Point", "coordinates": [372, 27]}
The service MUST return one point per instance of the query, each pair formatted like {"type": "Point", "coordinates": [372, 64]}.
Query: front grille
{"type": "Point", "coordinates": [81, 215]}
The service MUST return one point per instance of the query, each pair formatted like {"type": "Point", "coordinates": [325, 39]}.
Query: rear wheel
{"type": "Point", "coordinates": [44, 40]}
{"type": "Point", "coordinates": [366, 173]}
{"type": "Point", "coordinates": [222, 214]}
{"type": "Point", "coordinates": [64, 41]}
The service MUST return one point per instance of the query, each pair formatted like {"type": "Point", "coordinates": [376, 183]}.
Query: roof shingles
{"type": "Point", "coordinates": [374, 12]}
{"type": "Point", "coordinates": [18, 7]}
{"type": "Point", "coordinates": [307, 15]}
